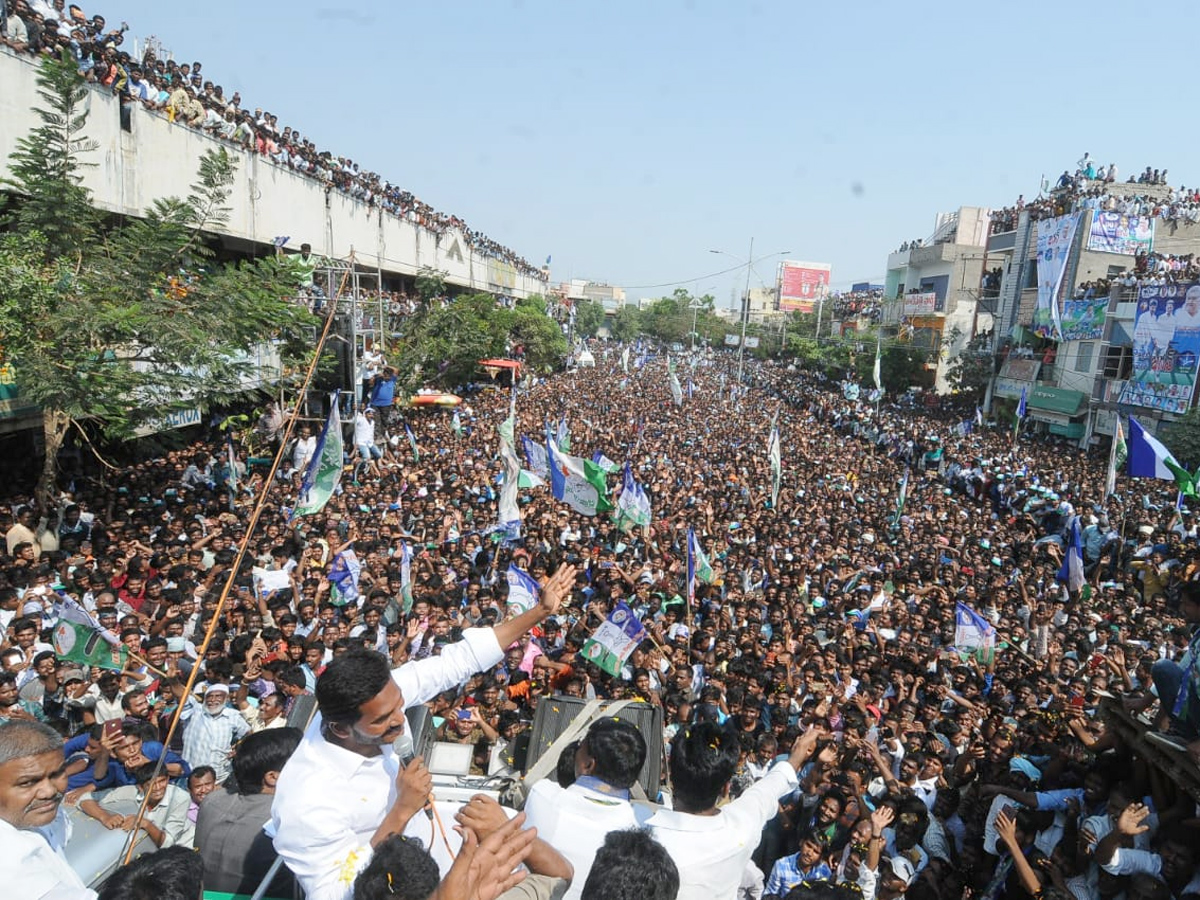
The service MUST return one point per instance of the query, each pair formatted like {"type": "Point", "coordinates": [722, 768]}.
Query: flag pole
{"type": "Point", "coordinates": [251, 525]}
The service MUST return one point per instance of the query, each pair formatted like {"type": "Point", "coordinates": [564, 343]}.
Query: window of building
{"type": "Point", "coordinates": [1083, 356]}
{"type": "Point", "coordinates": [1118, 363]}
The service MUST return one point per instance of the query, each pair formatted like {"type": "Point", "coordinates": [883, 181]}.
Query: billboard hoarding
{"type": "Point", "coordinates": [1166, 348]}
{"type": "Point", "coordinates": [802, 284]}
{"type": "Point", "coordinates": [1114, 232]}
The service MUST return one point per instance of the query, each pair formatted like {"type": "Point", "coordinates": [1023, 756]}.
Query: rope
{"type": "Point", "coordinates": [251, 525]}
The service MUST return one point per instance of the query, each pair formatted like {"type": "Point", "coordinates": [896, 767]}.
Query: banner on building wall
{"type": "Point", "coordinates": [801, 284]}
{"type": "Point", "coordinates": [1054, 239]}
{"type": "Point", "coordinates": [1114, 232]}
{"type": "Point", "coordinates": [923, 304]}
{"type": "Point", "coordinates": [1083, 319]}
{"type": "Point", "coordinates": [1166, 348]}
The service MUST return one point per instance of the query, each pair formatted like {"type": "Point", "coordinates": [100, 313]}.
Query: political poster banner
{"type": "Point", "coordinates": [1083, 318]}
{"type": "Point", "coordinates": [1166, 348]}
{"type": "Point", "coordinates": [614, 640]}
{"type": "Point", "coordinates": [1054, 239]}
{"type": "Point", "coordinates": [732, 340]}
{"type": "Point", "coordinates": [802, 284]}
{"type": "Point", "coordinates": [1114, 232]}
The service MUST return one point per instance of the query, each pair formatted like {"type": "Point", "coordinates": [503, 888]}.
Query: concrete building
{"type": "Point", "coordinates": [932, 287]}
{"type": "Point", "coordinates": [610, 297]}
{"type": "Point", "coordinates": [1077, 387]}
{"type": "Point", "coordinates": [140, 158]}
{"type": "Point", "coordinates": [153, 159]}
{"type": "Point", "coordinates": [764, 305]}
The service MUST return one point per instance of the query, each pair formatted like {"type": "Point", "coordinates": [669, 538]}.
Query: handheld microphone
{"type": "Point", "coordinates": [407, 752]}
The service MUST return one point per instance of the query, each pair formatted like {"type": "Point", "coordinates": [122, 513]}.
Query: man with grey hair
{"type": "Point", "coordinates": [33, 824]}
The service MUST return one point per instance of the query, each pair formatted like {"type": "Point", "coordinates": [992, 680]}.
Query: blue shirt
{"type": "Point", "coordinates": [786, 874]}
{"type": "Point", "coordinates": [384, 392]}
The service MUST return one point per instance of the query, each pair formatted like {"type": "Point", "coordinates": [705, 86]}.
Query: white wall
{"type": "Point", "coordinates": [158, 159]}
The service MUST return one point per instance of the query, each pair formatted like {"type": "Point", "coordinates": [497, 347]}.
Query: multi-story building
{"type": "Point", "coordinates": [931, 292]}
{"type": "Point", "coordinates": [1098, 361]}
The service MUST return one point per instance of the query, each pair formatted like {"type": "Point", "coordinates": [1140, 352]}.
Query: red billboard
{"type": "Point", "coordinates": [801, 284]}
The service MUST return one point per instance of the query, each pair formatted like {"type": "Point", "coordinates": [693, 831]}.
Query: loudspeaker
{"type": "Point", "coordinates": [555, 713]}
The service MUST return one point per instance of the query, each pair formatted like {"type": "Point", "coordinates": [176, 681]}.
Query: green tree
{"type": "Point", "coordinates": [442, 344]}
{"type": "Point", "coordinates": [1182, 438]}
{"type": "Point", "coordinates": [589, 318]}
{"type": "Point", "coordinates": [627, 323]}
{"type": "Point", "coordinates": [431, 284]}
{"type": "Point", "coordinates": [123, 325]}
{"type": "Point", "coordinates": [973, 368]}
{"type": "Point", "coordinates": [544, 342]}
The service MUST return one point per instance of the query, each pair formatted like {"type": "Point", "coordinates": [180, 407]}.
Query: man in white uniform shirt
{"type": "Point", "coordinates": [712, 845]}
{"type": "Point", "coordinates": [344, 790]}
{"type": "Point", "coordinates": [575, 820]}
{"type": "Point", "coordinates": [34, 826]}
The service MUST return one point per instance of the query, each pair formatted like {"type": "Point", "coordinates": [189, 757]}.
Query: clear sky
{"type": "Point", "coordinates": [627, 138]}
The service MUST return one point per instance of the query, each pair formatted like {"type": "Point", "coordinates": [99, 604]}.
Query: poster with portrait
{"type": "Point", "coordinates": [1114, 232]}
{"type": "Point", "coordinates": [1166, 347]}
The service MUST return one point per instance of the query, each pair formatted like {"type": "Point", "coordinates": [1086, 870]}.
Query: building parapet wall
{"type": "Point", "coordinates": [157, 159]}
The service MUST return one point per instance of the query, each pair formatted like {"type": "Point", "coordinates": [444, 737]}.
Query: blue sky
{"type": "Point", "coordinates": [630, 138]}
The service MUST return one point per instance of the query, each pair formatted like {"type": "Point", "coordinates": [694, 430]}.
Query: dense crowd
{"type": "Point", "coordinates": [813, 691]}
{"type": "Point", "coordinates": [185, 94]}
{"type": "Point", "coordinates": [855, 304]}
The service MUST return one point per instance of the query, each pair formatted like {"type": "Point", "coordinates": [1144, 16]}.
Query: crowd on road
{"type": "Point", "coordinates": [827, 731]}
{"type": "Point", "coordinates": [186, 95]}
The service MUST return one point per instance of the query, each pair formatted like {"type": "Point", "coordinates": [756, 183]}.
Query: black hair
{"type": "Point", "coordinates": [176, 873]}
{"type": "Point", "coordinates": [293, 676]}
{"type": "Point", "coordinates": [818, 890]}
{"type": "Point", "coordinates": [349, 681]}
{"type": "Point", "coordinates": [631, 865]}
{"type": "Point", "coordinates": [618, 749]}
{"type": "Point", "coordinates": [263, 752]}
{"type": "Point", "coordinates": [400, 869]}
{"type": "Point", "coordinates": [200, 772]}
{"type": "Point", "coordinates": [564, 772]}
{"type": "Point", "coordinates": [129, 697]}
{"type": "Point", "coordinates": [703, 760]}
{"type": "Point", "coordinates": [145, 772]}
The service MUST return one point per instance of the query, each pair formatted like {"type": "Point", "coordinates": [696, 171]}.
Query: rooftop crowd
{"type": "Point", "coordinates": [187, 95]}
{"type": "Point", "coordinates": [850, 304]}
{"type": "Point", "coordinates": [1089, 187]}
{"type": "Point", "coordinates": [825, 735]}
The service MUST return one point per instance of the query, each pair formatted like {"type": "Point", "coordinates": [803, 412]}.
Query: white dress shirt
{"type": "Point", "coordinates": [574, 822]}
{"type": "Point", "coordinates": [170, 816]}
{"type": "Point", "coordinates": [37, 868]}
{"type": "Point", "coordinates": [712, 851]}
{"type": "Point", "coordinates": [329, 801]}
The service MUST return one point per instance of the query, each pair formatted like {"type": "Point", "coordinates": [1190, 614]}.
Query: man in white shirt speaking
{"type": "Point", "coordinates": [345, 790]}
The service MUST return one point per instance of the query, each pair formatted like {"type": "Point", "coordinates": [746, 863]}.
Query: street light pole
{"type": "Point", "coordinates": [695, 312]}
{"type": "Point", "coordinates": [745, 310]}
